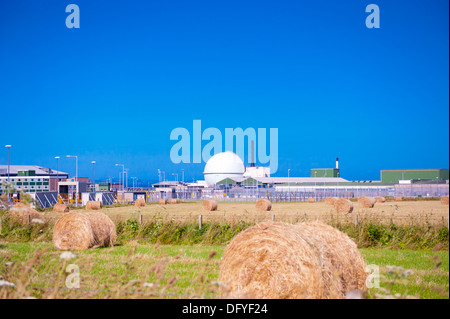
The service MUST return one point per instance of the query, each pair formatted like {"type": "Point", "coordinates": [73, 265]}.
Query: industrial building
{"type": "Point", "coordinates": [394, 176]}
{"type": "Point", "coordinates": [223, 165]}
{"type": "Point", "coordinates": [30, 178]}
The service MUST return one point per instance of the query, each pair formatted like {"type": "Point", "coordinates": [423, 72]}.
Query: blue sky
{"type": "Point", "coordinates": [114, 89]}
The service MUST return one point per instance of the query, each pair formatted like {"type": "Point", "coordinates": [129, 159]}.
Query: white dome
{"type": "Point", "coordinates": [223, 165]}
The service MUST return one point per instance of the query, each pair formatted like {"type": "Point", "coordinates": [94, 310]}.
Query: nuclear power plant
{"type": "Point", "coordinates": [225, 178]}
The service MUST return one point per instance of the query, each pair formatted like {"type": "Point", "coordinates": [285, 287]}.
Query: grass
{"type": "Point", "coordinates": [168, 256]}
{"type": "Point", "coordinates": [158, 271]}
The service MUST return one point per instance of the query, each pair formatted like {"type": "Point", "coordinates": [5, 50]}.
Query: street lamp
{"type": "Point", "coordinates": [76, 176]}
{"type": "Point", "coordinates": [8, 147]}
{"type": "Point", "coordinates": [134, 179]}
{"type": "Point", "coordinates": [182, 175]}
{"type": "Point", "coordinates": [57, 173]}
{"type": "Point", "coordinates": [93, 168]}
{"type": "Point", "coordinates": [123, 179]}
{"type": "Point", "coordinates": [176, 176]}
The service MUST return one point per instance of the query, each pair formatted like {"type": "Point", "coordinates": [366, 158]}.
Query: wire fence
{"type": "Point", "coordinates": [300, 194]}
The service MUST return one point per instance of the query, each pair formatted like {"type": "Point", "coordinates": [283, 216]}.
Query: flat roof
{"type": "Point", "coordinates": [39, 170]}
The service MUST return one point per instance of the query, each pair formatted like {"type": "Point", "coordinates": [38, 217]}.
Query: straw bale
{"type": "Point", "coordinates": [139, 203]}
{"type": "Point", "coordinates": [277, 260]}
{"type": "Point", "coordinates": [93, 205]}
{"type": "Point", "coordinates": [367, 202]}
{"type": "Point", "coordinates": [343, 205]}
{"type": "Point", "coordinates": [163, 201]}
{"type": "Point", "coordinates": [209, 205]}
{"type": "Point", "coordinates": [263, 205]}
{"type": "Point", "coordinates": [269, 260]}
{"type": "Point", "coordinates": [60, 208]}
{"type": "Point", "coordinates": [331, 200]}
{"type": "Point", "coordinates": [19, 213]}
{"type": "Point", "coordinates": [444, 200]}
{"type": "Point", "coordinates": [79, 231]}
{"type": "Point", "coordinates": [343, 267]}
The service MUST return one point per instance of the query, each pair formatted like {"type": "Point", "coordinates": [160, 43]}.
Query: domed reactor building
{"type": "Point", "coordinates": [223, 165]}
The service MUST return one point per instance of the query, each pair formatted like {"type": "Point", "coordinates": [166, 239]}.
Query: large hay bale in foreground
{"type": "Point", "coordinates": [444, 200]}
{"type": "Point", "coordinates": [269, 260]}
{"type": "Point", "coordinates": [311, 200]}
{"type": "Point", "coordinates": [79, 231]}
{"type": "Point", "coordinates": [60, 208]}
{"type": "Point", "coordinates": [21, 213]}
{"type": "Point", "coordinates": [263, 205]}
{"type": "Point", "coordinates": [331, 200]}
{"type": "Point", "coordinates": [366, 202]}
{"type": "Point", "coordinates": [277, 260]}
{"type": "Point", "coordinates": [209, 205]}
{"type": "Point", "coordinates": [343, 267]}
{"type": "Point", "coordinates": [139, 203]}
{"type": "Point", "coordinates": [93, 205]}
{"type": "Point", "coordinates": [381, 199]}
{"type": "Point", "coordinates": [174, 201]}
{"type": "Point", "coordinates": [162, 201]}
{"type": "Point", "coordinates": [343, 206]}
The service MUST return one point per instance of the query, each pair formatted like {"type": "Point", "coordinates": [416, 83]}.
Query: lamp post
{"type": "Point", "coordinates": [93, 168]}
{"type": "Point", "coordinates": [8, 147]}
{"type": "Point", "coordinates": [182, 176]}
{"type": "Point", "coordinates": [57, 174]}
{"type": "Point", "coordinates": [134, 179]}
{"type": "Point", "coordinates": [123, 179]}
{"type": "Point", "coordinates": [76, 176]}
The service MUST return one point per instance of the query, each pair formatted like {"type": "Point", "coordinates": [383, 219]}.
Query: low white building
{"type": "Point", "coordinates": [257, 171]}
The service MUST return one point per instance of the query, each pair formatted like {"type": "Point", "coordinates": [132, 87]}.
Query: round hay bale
{"type": "Point", "coordinates": [311, 200]}
{"type": "Point", "coordinates": [366, 202]}
{"type": "Point", "coordinates": [444, 200]}
{"type": "Point", "coordinates": [343, 206]}
{"type": "Point", "coordinates": [162, 201]}
{"type": "Point", "coordinates": [93, 205]}
{"type": "Point", "coordinates": [381, 199]}
{"type": "Point", "coordinates": [277, 260]}
{"type": "Point", "coordinates": [209, 205]}
{"type": "Point", "coordinates": [263, 205]}
{"type": "Point", "coordinates": [139, 203]}
{"type": "Point", "coordinates": [60, 208]}
{"type": "Point", "coordinates": [20, 213]}
{"type": "Point", "coordinates": [343, 267]}
{"type": "Point", "coordinates": [174, 201]}
{"type": "Point", "coordinates": [269, 260]}
{"type": "Point", "coordinates": [79, 231]}
{"type": "Point", "coordinates": [331, 200]}
{"type": "Point", "coordinates": [398, 199]}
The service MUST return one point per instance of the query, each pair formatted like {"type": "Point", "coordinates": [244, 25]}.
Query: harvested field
{"type": "Point", "coordinates": [404, 213]}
